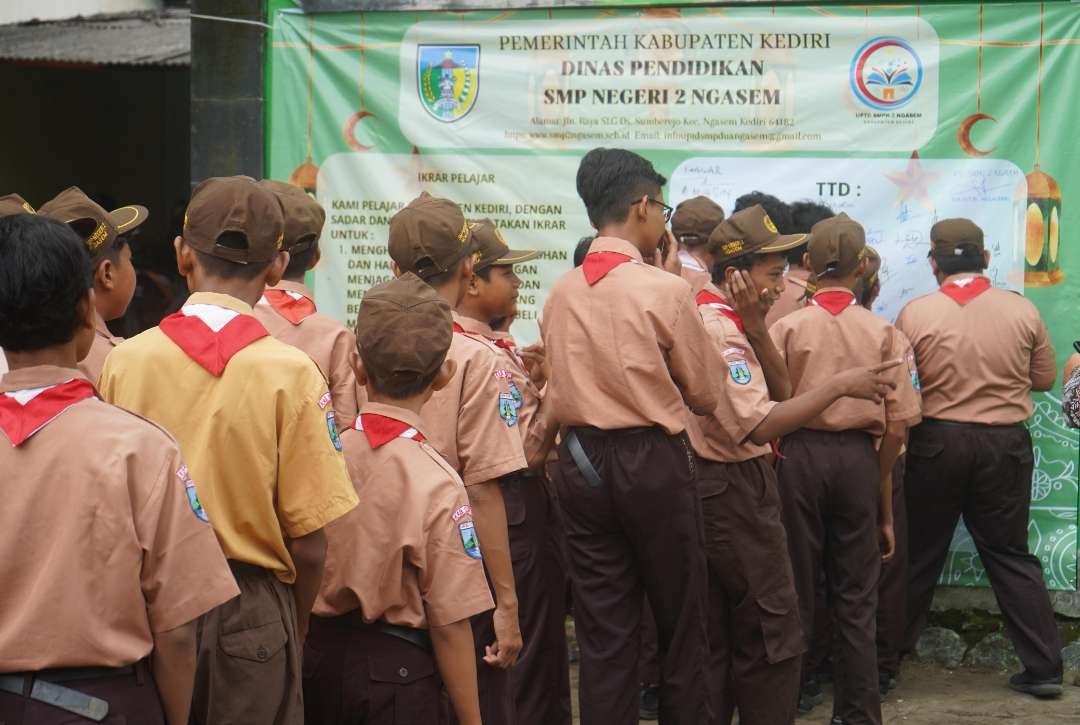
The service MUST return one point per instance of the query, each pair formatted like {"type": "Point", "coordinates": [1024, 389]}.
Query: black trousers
{"type": "Point", "coordinates": [982, 473]}
{"type": "Point", "coordinates": [640, 531]}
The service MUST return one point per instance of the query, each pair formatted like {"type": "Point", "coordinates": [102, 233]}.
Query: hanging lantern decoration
{"type": "Point", "coordinates": [1042, 230]}
{"type": "Point", "coordinates": [1042, 218]}
{"type": "Point", "coordinates": [306, 175]}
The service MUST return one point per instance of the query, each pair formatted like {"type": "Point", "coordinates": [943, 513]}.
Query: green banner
{"type": "Point", "coordinates": [898, 115]}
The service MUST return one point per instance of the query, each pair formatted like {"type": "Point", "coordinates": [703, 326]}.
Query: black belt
{"type": "Point", "coordinates": [42, 686]}
{"type": "Point", "coordinates": [419, 637]}
{"type": "Point", "coordinates": [584, 465]}
{"type": "Point", "coordinates": [977, 426]}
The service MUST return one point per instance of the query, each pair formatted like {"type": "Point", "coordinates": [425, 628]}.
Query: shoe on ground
{"type": "Point", "coordinates": [836, 720]}
{"type": "Point", "coordinates": [649, 705]}
{"type": "Point", "coordinates": [886, 683]}
{"type": "Point", "coordinates": [810, 696]}
{"type": "Point", "coordinates": [1046, 687]}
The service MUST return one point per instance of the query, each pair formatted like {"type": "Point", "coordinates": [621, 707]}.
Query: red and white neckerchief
{"type": "Point", "coordinates": [210, 335]}
{"type": "Point", "coordinates": [962, 291]}
{"type": "Point", "coordinates": [381, 429]}
{"type": "Point", "coordinates": [293, 306]}
{"type": "Point", "coordinates": [506, 343]}
{"type": "Point", "coordinates": [834, 301]}
{"type": "Point", "coordinates": [24, 412]}
{"type": "Point", "coordinates": [705, 297]}
{"type": "Point", "coordinates": [597, 264]}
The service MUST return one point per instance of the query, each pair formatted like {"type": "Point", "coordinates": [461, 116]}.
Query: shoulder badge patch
{"type": "Point", "coordinates": [468, 539]}
{"type": "Point", "coordinates": [740, 371]}
{"type": "Point", "coordinates": [914, 371]}
{"type": "Point", "coordinates": [508, 409]}
{"type": "Point", "coordinates": [324, 401]}
{"type": "Point", "coordinates": [331, 427]}
{"type": "Point", "coordinates": [192, 496]}
{"type": "Point", "coordinates": [462, 512]}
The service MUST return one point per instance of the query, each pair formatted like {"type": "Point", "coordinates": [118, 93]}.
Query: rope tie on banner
{"type": "Point", "coordinates": [221, 19]}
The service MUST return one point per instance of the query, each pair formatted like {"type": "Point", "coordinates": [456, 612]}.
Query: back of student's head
{"type": "Point", "coordinates": [957, 246]}
{"type": "Point", "coordinates": [779, 211]}
{"type": "Point", "coordinates": [582, 250]}
{"type": "Point", "coordinates": [609, 181]}
{"type": "Point", "coordinates": [304, 219]}
{"type": "Point", "coordinates": [804, 215]}
{"type": "Point", "coordinates": [45, 272]}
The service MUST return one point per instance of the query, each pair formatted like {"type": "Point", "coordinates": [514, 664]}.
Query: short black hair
{"type": "Point", "coordinates": [225, 269]}
{"type": "Point", "coordinates": [45, 272]}
{"type": "Point", "coordinates": [582, 250]}
{"type": "Point", "coordinates": [778, 211]}
{"type": "Point", "coordinates": [112, 253]}
{"type": "Point", "coordinates": [299, 263]}
{"type": "Point", "coordinates": [970, 259]}
{"type": "Point", "coordinates": [745, 262]}
{"type": "Point", "coordinates": [609, 181]}
{"type": "Point", "coordinates": [804, 215]}
{"type": "Point", "coordinates": [438, 280]}
{"type": "Point", "coordinates": [397, 387]}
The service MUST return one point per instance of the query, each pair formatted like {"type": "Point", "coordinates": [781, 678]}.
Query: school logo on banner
{"type": "Point", "coordinates": [447, 78]}
{"type": "Point", "coordinates": [886, 73]}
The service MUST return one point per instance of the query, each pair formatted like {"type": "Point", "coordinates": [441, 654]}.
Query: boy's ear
{"type": "Point", "coordinates": [395, 269]}
{"type": "Point", "coordinates": [315, 258]}
{"type": "Point", "coordinates": [358, 368]}
{"type": "Point", "coordinates": [103, 275]}
{"type": "Point", "coordinates": [445, 374]}
{"type": "Point", "coordinates": [277, 269]}
{"type": "Point", "coordinates": [185, 257]}
{"type": "Point", "coordinates": [806, 260]}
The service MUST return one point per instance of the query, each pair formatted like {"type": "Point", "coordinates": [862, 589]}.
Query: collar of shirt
{"type": "Point", "coordinates": [614, 244]}
{"type": "Point", "coordinates": [690, 261]}
{"type": "Point", "coordinates": [963, 288]}
{"type": "Point", "coordinates": [102, 329]}
{"type": "Point", "coordinates": [39, 376]}
{"type": "Point", "coordinates": [25, 411]}
{"type": "Point", "coordinates": [834, 300]}
{"type": "Point", "coordinates": [473, 326]}
{"type": "Point", "coordinates": [711, 296]}
{"type": "Point", "coordinates": [798, 276]}
{"type": "Point", "coordinates": [292, 300]}
{"type": "Point", "coordinates": [406, 418]}
{"type": "Point", "coordinates": [220, 300]}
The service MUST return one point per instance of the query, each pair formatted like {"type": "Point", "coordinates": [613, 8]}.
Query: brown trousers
{"type": "Point", "coordinates": [132, 698]}
{"type": "Point", "coordinates": [540, 679]}
{"type": "Point", "coordinates": [984, 474]}
{"type": "Point", "coordinates": [755, 636]}
{"type": "Point", "coordinates": [248, 666]}
{"type": "Point", "coordinates": [355, 674]}
{"type": "Point", "coordinates": [892, 598]}
{"type": "Point", "coordinates": [829, 485]}
{"type": "Point", "coordinates": [638, 532]}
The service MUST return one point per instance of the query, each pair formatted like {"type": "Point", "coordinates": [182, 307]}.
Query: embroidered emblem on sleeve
{"type": "Point", "coordinates": [468, 539]}
{"type": "Point", "coordinates": [508, 409]}
{"type": "Point", "coordinates": [331, 427]}
{"type": "Point", "coordinates": [462, 512]}
{"type": "Point", "coordinates": [740, 371]}
{"type": "Point", "coordinates": [192, 495]}
{"type": "Point", "coordinates": [324, 401]}
{"type": "Point", "coordinates": [914, 371]}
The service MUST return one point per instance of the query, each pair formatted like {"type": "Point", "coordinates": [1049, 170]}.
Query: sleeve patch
{"type": "Point", "coordinates": [914, 372]}
{"type": "Point", "coordinates": [734, 352]}
{"type": "Point", "coordinates": [331, 427]}
{"type": "Point", "coordinates": [462, 512]}
{"type": "Point", "coordinates": [740, 371]}
{"type": "Point", "coordinates": [468, 539]}
{"type": "Point", "coordinates": [324, 401]}
{"type": "Point", "coordinates": [192, 495]}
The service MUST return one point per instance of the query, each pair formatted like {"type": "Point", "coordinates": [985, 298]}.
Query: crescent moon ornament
{"type": "Point", "coordinates": [963, 134]}
{"type": "Point", "coordinates": [349, 130]}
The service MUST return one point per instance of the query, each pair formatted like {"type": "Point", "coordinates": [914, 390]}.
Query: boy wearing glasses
{"type": "Point", "coordinates": [628, 353]}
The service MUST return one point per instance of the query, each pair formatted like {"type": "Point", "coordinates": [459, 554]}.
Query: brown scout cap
{"type": "Point", "coordinates": [12, 204]}
{"type": "Point", "coordinates": [948, 235]}
{"type": "Point", "coordinates": [235, 204]}
{"type": "Point", "coordinates": [493, 249]}
{"type": "Point", "coordinates": [749, 231]}
{"type": "Point", "coordinates": [695, 219]}
{"type": "Point", "coordinates": [429, 236]}
{"type": "Point", "coordinates": [403, 329]}
{"type": "Point", "coordinates": [96, 227]}
{"type": "Point", "coordinates": [304, 217]}
{"type": "Point", "coordinates": [836, 245]}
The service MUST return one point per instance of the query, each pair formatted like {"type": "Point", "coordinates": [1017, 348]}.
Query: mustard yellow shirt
{"type": "Point", "coordinates": [260, 439]}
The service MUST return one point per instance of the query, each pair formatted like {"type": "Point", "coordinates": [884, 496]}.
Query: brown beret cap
{"type": "Point", "coordinates": [836, 245]}
{"type": "Point", "coordinates": [403, 329]}
{"type": "Point", "coordinates": [236, 204]}
{"type": "Point", "coordinates": [947, 236]}
{"type": "Point", "coordinates": [96, 227]}
{"type": "Point", "coordinates": [12, 204]}
{"type": "Point", "coordinates": [749, 231]}
{"type": "Point", "coordinates": [429, 236]}
{"type": "Point", "coordinates": [694, 220]}
{"type": "Point", "coordinates": [304, 217]}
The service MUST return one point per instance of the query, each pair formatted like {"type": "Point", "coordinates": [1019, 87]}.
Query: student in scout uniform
{"type": "Point", "coordinates": [287, 309]}
{"type": "Point", "coordinates": [692, 223]}
{"type": "Point", "coordinates": [107, 557]}
{"type": "Point", "coordinates": [980, 352]}
{"type": "Point", "coordinates": [403, 571]}
{"type": "Point", "coordinates": [471, 423]}
{"type": "Point", "coordinates": [804, 215]}
{"type": "Point", "coordinates": [540, 677]}
{"type": "Point", "coordinates": [105, 235]}
{"type": "Point", "coordinates": [830, 472]}
{"type": "Point", "coordinates": [628, 353]}
{"type": "Point", "coordinates": [751, 588]}
{"type": "Point", "coordinates": [12, 204]}
{"type": "Point", "coordinates": [254, 415]}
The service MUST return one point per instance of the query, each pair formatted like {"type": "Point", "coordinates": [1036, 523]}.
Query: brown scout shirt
{"type": "Point", "coordinates": [260, 439]}
{"type": "Point", "coordinates": [468, 421]}
{"type": "Point", "coordinates": [629, 351]}
{"type": "Point", "coordinates": [532, 422]}
{"type": "Point", "coordinates": [722, 435]}
{"type": "Point", "coordinates": [401, 556]}
{"type": "Point", "coordinates": [102, 545]}
{"type": "Point", "coordinates": [791, 298]}
{"type": "Point", "coordinates": [104, 342]}
{"type": "Point", "coordinates": [817, 346]}
{"type": "Point", "coordinates": [328, 342]}
{"type": "Point", "coordinates": [976, 361]}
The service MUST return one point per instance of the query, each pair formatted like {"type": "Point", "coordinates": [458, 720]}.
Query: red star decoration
{"type": "Point", "coordinates": [913, 185]}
